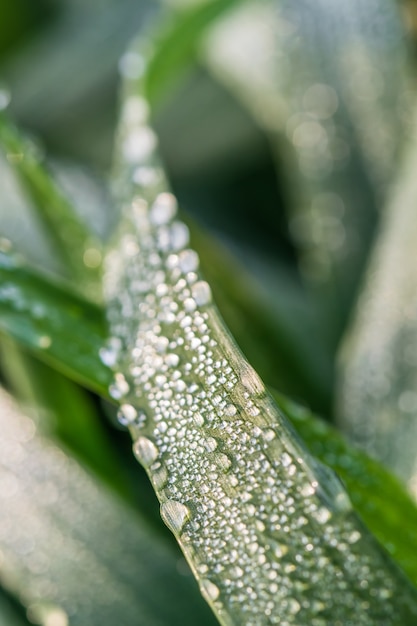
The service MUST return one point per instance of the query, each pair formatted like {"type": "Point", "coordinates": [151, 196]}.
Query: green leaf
{"type": "Point", "coordinates": [378, 496]}
{"type": "Point", "coordinates": [175, 45]}
{"type": "Point", "coordinates": [66, 412]}
{"type": "Point", "coordinates": [237, 488]}
{"type": "Point", "coordinates": [329, 90]}
{"type": "Point", "coordinates": [73, 240]}
{"type": "Point", "coordinates": [72, 550]}
{"type": "Point", "coordinates": [11, 612]}
{"type": "Point", "coordinates": [377, 401]}
{"type": "Point", "coordinates": [63, 329]}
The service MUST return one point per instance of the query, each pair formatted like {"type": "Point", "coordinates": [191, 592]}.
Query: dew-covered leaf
{"type": "Point", "coordinates": [378, 387]}
{"type": "Point", "coordinates": [269, 532]}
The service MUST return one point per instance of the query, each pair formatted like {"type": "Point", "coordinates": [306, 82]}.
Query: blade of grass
{"type": "Point", "coordinates": [73, 240]}
{"type": "Point", "coordinates": [237, 488]}
{"type": "Point", "coordinates": [63, 329]}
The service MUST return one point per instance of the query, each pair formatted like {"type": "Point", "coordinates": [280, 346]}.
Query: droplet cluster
{"type": "Point", "coordinates": [269, 533]}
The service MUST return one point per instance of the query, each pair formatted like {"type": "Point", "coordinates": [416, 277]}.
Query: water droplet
{"type": "Point", "coordinates": [211, 444]}
{"type": "Point", "coordinates": [160, 477]}
{"type": "Point", "coordinates": [145, 451]}
{"type": "Point", "coordinates": [188, 261]}
{"type": "Point", "coordinates": [119, 388]}
{"type": "Point", "coordinates": [201, 293]}
{"type": "Point", "coordinates": [223, 462]}
{"type": "Point", "coordinates": [175, 515]}
{"type": "Point", "coordinates": [354, 536]}
{"type": "Point", "coordinates": [131, 65]}
{"type": "Point", "coordinates": [280, 550]}
{"type": "Point", "coordinates": [4, 99]}
{"type": "Point", "coordinates": [146, 176]}
{"type": "Point", "coordinates": [172, 360]}
{"type": "Point", "coordinates": [230, 410]}
{"type": "Point", "coordinates": [269, 435]}
{"type": "Point", "coordinates": [44, 342]}
{"type": "Point", "coordinates": [198, 419]}
{"type": "Point", "coordinates": [322, 515]}
{"type": "Point", "coordinates": [179, 236]}
{"type": "Point", "coordinates": [163, 209]}
{"type": "Point", "coordinates": [139, 144]}
{"type": "Point", "coordinates": [209, 590]}
{"type": "Point", "coordinates": [126, 414]}
{"type": "Point", "coordinates": [190, 305]}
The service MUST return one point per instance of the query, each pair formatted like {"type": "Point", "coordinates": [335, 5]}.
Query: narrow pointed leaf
{"type": "Point", "coordinates": [63, 329]}
{"type": "Point", "coordinates": [73, 240]}
{"type": "Point", "coordinates": [74, 553]}
{"type": "Point", "coordinates": [269, 532]}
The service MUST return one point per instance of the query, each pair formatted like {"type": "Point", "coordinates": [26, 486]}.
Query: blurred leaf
{"type": "Point", "coordinates": [61, 328]}
{"type": "Point", "coordinates": [175, 45]}
{"type": "Point", "coordinates": [11, 612]}
{"type": "Point", "coordinates": [71, 549]}
{"type": "Point", "coordinates": [378, 369]}
{"type": "Point", "coordinates": [63, 81]}
{"type": "Point", "coordinates": [332, 92]}
{"type": "Point", "coordinates": [64, 411]}
{"type": "Point", "coordinates": [74, 242]}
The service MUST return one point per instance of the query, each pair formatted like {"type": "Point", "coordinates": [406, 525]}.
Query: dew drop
{"type": "Point", "coordinates": [179, 236]}
{"type": "Point", "coordinates": [198, 419]}
{"type": "Point", "coordinates": [175, 515]}
{"type": "Point", "coordinates": [172, 360]}
{"type": "Point", "coordinates": [322, 515]}
{"type": "Point", "coordinates": [307, 490]}
{"type": "Point", "coordinates": [126, 414]}
{"type": "Point", "coordinates": [211, 444]}
{"type": "Point", "coordinates": [146, 176]}
{"type": "Point", "coordinates": [230, 410]}
{"type": "Point", "coordinates": [269, 435]}
{"type": "Point", "coordinates": [188, 261]}
{"type": "Point", "coordinates": [4, 99]}
{"type": "Point", "coordinates": [44, 342]}
{"type": "Point", "coordinates": [223, 462]}
{"type": "Point", "coordinates": [145, 451]}
{"type": "Point", "coordinates": [119, 388]}
{"type": "Point", "coordinates": [294, 606]}
{"type": "Point", "coordinates": [139, 144]}
{"type": "Point", "coordinates": [163, 209]}
{"type": "Point", "coordinates": [280, 550]}
{"type": "Point", "coordinates": [161, 344]}
{"type": "Point", "coordinates": [160, 477]}
{"type": "Point", "coordinates": [190, 305]}
{"type": "Point", "coordinates": [209, 590]}
{"type": "Point", "coordinates": [201, 293]}
{"type": "Point", "coordinates": [354, 536]}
